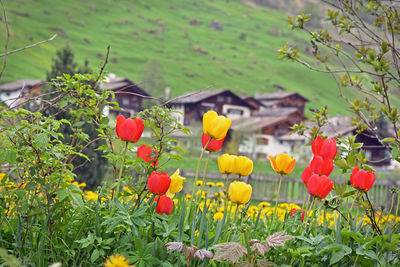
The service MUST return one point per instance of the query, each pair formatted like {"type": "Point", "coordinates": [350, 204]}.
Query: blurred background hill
{"type": "Point", "coordinates": [185, 45]}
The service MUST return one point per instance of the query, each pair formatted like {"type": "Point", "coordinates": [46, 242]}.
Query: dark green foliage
{"type": "Point", "coordinates": [91, 170]}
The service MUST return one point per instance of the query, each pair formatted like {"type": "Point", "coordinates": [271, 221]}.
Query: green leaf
{"type": "Point", "coordinates": [337, 256]}
{"type": "Point", "coordinates": [341, 163]}
{"type": "Point", "coordinates": [31, 185]}
{"type": "Point", "coordinates": [11, 156]}
{"type": "Point", "coordinates": [41, 139]}
{"type": "Point", "coordinates": [95, 255]}
{"type": "Point", "coordinates": [62, 194]}
{"type": "Point", "coordinates": [389, 140]}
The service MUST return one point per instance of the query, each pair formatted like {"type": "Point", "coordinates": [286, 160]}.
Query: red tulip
{"type": "Point", "coordinates": [145, 153]}
{"type": "Point", "coordinates": [129, 129]}
{"type": "Point", "coordinates": [319, 186]}
{"type": "Point", "coordinates": [164, 204]}
{"type": "Point", "coordinates": [362, 179]}
{"type": "Point", "coordinates": [324, 148]}
{"type": "Point", "coordinates": [296, 210]}
{"type": "Point", "coordinates": [158, 183]}
{"type": "Point", "coordinates": [322, 166]}
{"type": "Point", "coordinates": [305, 176]}
{"type": "Point", "coordinates": [214, 145]}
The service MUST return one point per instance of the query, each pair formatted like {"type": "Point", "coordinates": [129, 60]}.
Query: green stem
{"type": "Point", "coordinates": [279, 190]}
{"type": "Point", "coordinates": [390, 212]}
{"type": "Point", "coordinates": [226, 191]}
{"type": "Point", "coordinates": [204, 173]}
{"type": "Point", "coordinates": [308, 210]}
{"type": "Point", "coordinates": [120, 174]}
{"type": "Point", "coordinates": [195, 180]}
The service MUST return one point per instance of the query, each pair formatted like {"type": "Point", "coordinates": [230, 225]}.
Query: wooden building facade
{"type": "Point", "coordinates": [193, 105]}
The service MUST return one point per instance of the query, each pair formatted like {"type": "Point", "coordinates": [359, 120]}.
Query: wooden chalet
{"type": "Point", "coordinates": [12, 93]}
{"type": "Point", "coordinates": [283, 100]}
{"type": "Point", "coordinates": [193, 105]}
{"type": "Point", "coordinates": [128, 95]}
{"type": "Point", "coordinates": [274, 126]}
{"type": "Point", "coordinates": [293, 114]}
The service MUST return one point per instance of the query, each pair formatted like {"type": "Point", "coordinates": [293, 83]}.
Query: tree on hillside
{"type": "Point", "coordinates": [153, 78]}
{"type": "Point", "coordinates": [91, 171]}
{"type": "Point", "coordinates": [63, 63]}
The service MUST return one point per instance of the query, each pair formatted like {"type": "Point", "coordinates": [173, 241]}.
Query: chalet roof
{"type": "Point", "coordinates": [251, 98]}
{"type": "Point", "coordinates": [276, 112]}
{"type": "Point", "coordinates": [197, 96]}
{"type": "Point", "coordinates": [336, 126]}
{"type": "Point", "coordinates": [256, 123]}
{"type": "Point", "coordinates": [279, 96]}
{"type": "Point", "coordinates": [18, 85]}
{"type": "Point", "coordinates": [270, 103]}
{"type": "Point", "coordinates": [123, 84]}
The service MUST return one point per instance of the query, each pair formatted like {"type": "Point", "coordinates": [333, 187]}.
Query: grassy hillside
{"type": "Point", "coordinates": [170, 41]}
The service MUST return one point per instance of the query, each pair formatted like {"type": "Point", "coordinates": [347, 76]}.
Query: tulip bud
{"type": "Point", "coordinates": [239, 192]}
{"type": "Point", "coordinates": [305, 176]}
{"type": "Point", "coordinates": [215, 126]}
{"type": "Point", "coordinates": [324, 148]}
{"type": "Point", "coordinates": [164, 204]}
{"type": "Point", "coordinates": [243, 165]}
{"type": "Point", "coordinates": [319, 186]}
{"type": "Point", "coordinates": [144, 152]}
{"type": "Point", "coordinates": [129, 129]}
{"type": "Point", "coordinates": [322, 166]}
{"type": "Point", "coordinates": [158, 183]}
{"type": "Point", "coordinates": [361, 179]}
{"type": "Point", "coordinates": [214, 145]}
{"type": "Point", "coordinates": [283, 163]}
{"type": "Point", "coordinates": [227, 163]}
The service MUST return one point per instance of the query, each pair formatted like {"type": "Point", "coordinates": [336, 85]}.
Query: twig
{"type": "Point", "coordinates": [102, 67]}
{"type": "Point", "coordinates": [29, 46]}
{"type": "Point", "coordinates": [7, 39]}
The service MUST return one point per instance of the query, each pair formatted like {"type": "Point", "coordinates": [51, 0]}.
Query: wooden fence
{"type": "Point", "coordinates": [293, 189]}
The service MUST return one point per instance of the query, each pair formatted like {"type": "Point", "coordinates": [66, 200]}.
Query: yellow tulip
{"type": "Point", "coordinates": [176, 184]}
{"type": "Point", "coordinates": [283, 163]}
{"type": "Point", "coordinates": [215, 126]}
{"type": "Point", "coordinates": [227, 163]}
{"type": "Point", "coordinates": [240, 192]}
{"type": "Point", "coordinates": [244, 166]}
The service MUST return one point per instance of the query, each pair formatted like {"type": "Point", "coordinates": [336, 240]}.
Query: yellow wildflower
{"type": "Point", "coordinates": [219, 184]}
{"type": "Point", "coordinates": [218, 216]}
{"type": "Point", "coordinates": [117, 261]}
{"type": "Point", "coordinates": [90, 195]}
{"type": "Point", "coordinates": [210, 184]}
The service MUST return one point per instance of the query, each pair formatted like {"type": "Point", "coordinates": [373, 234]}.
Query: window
{"type": "Point", "coordinates": [125, 101]}
{"type": "Point", "coordinates": [233, 111]}
{"type": "Point", "coordinates": [228, 99]}
{"type": "Point", "coordinates": [220, 99]}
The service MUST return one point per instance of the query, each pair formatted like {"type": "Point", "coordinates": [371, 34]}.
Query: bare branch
{"type": "Point", "coordinates": [28, 46]}
{"type": "Point", "coordinates": [7, 39]}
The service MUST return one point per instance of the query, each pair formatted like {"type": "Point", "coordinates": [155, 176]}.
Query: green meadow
{"type": "Point", "coordinates": [169, 43]}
